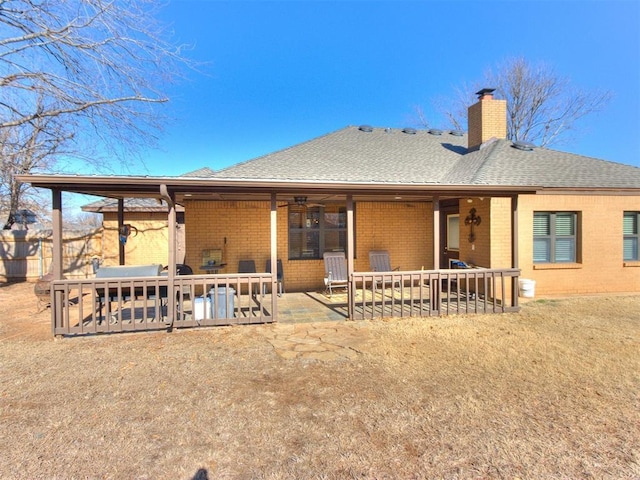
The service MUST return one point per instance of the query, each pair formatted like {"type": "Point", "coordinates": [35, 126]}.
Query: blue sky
{"type": "Point", "coordinates": [279, 73]}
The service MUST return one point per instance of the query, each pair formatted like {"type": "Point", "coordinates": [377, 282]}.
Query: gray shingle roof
{"type": "Point", "coordinates": [392, 156]}
{"type": "Point", "coordinates": [384, 156]}
{"type": "Point", "coordinates": [130, 205]}
{"type": "Point", "coordinates": [499, 163]}
{"type": "Point", "coordinates": [201, 172]}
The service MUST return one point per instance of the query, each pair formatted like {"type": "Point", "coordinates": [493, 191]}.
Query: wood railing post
{"type": "Point", "coordinates": [274, 257]}
{"type": "Point", "coordinates": [350, 257]}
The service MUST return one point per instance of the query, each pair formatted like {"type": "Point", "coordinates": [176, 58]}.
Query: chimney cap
{"type": "Point", "coordinates": [485, 91]}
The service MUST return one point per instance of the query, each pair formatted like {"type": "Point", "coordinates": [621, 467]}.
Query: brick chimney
{"type": "Point", "coordinates": [486, 119]}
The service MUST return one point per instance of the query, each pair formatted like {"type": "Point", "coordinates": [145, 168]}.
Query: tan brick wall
{"type": "Point", "coordinates": [601, 268]}
{"type": "Point", "coordinates": [404, 229]}
{"type": "Point", "coordinates": [480, 251]}
{"type": "Point", "coordinates": [500, 233]}
{"type": "Point", "coordinates": [487, 119]}
{"type": "Point", "coordinates": [149, 246]}
{"type": "Point", "coordinates": [401, 228]}
{"type": "Point", "coordinates": [242, 230]}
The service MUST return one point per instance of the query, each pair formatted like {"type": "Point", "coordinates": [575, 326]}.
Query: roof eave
{"type": "Point", "coordinates": [123, 186]}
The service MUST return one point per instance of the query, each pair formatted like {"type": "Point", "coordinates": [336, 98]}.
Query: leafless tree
{"type": "Point", "coordinates": [30, 146]}
{"type": "Point", "coordinates": [542, 107]}
{"type": "Point", "coordinates": [83, 77]}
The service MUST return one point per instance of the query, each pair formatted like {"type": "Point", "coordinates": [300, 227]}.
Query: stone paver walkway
{"type": "Point", "coordinates": [325, 341]}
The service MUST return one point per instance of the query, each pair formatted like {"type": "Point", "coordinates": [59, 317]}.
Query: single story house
{"type": "Point", "coordinates": [567, 222]}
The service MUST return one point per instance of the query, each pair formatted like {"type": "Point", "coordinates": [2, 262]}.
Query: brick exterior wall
{"type": "Point", "coordinates": [149, 246]}
{"type": "Point", "coordinates": [242, 230]}
{"type": "Point", "coordinates": [478, 252]}
{"type": "Point", "coordinates": [486, 119]}
{"type": "Point", "coordinates": [600, 268]}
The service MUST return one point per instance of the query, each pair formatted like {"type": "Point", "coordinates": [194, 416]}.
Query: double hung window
{"type": "Point", "coordinates": [555, 237]}
{"type": "Point", "coordinates": [631, 236]}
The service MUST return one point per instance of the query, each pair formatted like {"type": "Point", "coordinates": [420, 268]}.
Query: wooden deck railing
{"type": "Point", "coordinates": [143, 303]}
{"type": "Point", "coordinates": [433, 293]}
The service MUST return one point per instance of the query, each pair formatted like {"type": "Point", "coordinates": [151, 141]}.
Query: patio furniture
{"type": "Point", "coordinates": [379, 261]}
{"type": "Point", "coordinates": [335, 270]}
{"type": "Point", "coordinates": [279, 274]}
{"type": "Point", "coordinates": [125, 293]}
{"type": "Point", "coordinates": [183, 269]}
{"type": "Point", "coordinates": [212, 260]}
{"type": "Point", "coordinates": [184, 291]}
{"type": "Point", "coordinates": [247, 266]}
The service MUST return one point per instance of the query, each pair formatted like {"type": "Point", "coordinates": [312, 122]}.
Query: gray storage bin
{"type": "Point", "coordinates": [221, 298]}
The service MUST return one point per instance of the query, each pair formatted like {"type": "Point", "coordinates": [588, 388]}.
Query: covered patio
{"type": "Point", "coordinates": [431, 290]}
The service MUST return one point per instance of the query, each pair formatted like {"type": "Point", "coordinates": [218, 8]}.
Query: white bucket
{"type": "Point", "coordinates": [527, 288]}
{"type": "Point", "coordinates": [199, 306]}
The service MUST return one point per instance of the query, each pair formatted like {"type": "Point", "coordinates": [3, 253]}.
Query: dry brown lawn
{"type": "Point", "coordinates": [551, 392]}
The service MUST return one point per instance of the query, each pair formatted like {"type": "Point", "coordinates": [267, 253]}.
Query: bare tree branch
{"type": "Point", "coordinates": [76, 77]}
{"type": "Point", "coordinates": [542, 107]}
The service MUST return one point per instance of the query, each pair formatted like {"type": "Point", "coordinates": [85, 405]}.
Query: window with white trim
{"type": "Point", "coordinates": [555, 237]}
{"type": "Point", "coordinates": [631, 236]}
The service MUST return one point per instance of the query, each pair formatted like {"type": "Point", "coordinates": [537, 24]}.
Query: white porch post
{"type": "Point", "coordinates": [436, 233]}
{"type": "Point", "coordinates": [274, 257]}
{"type": "Point", "coordinates": [350, 256]}
{"type": "Point", "coordinates": [435, 286]}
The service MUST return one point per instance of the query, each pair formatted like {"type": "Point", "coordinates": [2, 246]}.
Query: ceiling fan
{"type": "Point", "coordinates": [301, 201]}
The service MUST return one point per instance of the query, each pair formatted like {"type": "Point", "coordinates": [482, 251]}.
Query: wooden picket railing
{"type": "Point", "coordinates": [433, 293]}
{"type": "Point", "coordinates": [107, 305]}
